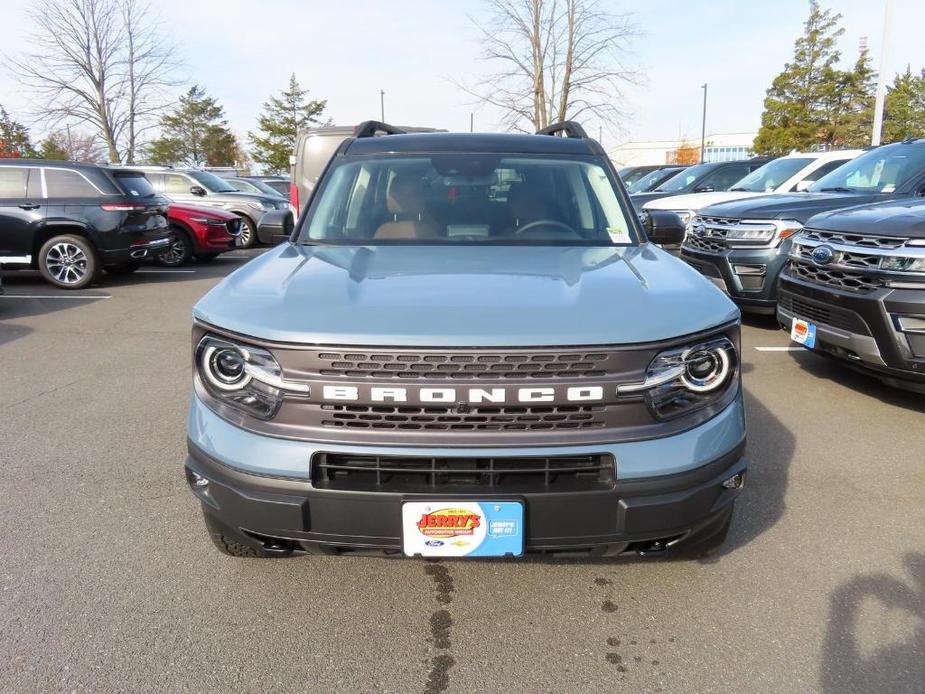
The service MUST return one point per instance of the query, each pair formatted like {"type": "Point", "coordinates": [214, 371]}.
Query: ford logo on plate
{"type": "Point", "coordinates": [434, 543]}
{"type": "Point", "coordinates": [823, 255]}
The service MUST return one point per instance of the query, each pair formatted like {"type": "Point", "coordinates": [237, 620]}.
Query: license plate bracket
{"type": "Point", "coordinates": [463, 528]}
{"type": "Point", "coordinates": [803, 333]}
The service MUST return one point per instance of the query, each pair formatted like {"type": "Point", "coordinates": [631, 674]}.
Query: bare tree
{"type": "Point", "coordinates": [72, 145]}
{"type": "Point", "coordinates": [101, 63]}
{"type": "Point", "coordinates": [555, 60]}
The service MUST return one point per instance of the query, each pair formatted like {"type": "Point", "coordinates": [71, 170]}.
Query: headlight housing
{"type": "Point", "coordinates": [761, 233]}
{"type": "Point", "coordinates": [683, 379]}
{"type": "Point", "coordinates": [902, 264]}
{"type": "Point", "coordinates": [243, 377]}
{"type": "Point", "coordinates": [260, 205]}
{"type": "Point", "coordinates": [211, 221]}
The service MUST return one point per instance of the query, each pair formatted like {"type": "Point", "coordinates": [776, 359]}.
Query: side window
{"type": "Point", "coordinates": [828, 167]}
{"type": "Point", "coordinates": [35, 184]}
{"type": "Point", "coordinates": [724, 177]}
{"type": "Point", "coordinates": [63, 183]}
{"type": "Point", "coordinates": [13, 182]}
{"type": "Point", "coordinates": [157, 181]}
{"type": "Point", "coordinates": [175, 183]}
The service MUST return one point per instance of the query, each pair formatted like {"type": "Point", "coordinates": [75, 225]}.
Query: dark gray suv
{"type": "Point", "coordinates": [204, 188]}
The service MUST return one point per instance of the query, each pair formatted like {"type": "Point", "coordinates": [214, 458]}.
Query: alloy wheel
{"type": "Point", "coordinates": [176, 252]}
{"type": "Point", "coordinates": [66, 262]}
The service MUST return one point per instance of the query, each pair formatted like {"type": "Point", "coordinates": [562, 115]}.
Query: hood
{"type": "Point", "coordinates": [695, 201]}
{"type": "Point", "coordinates": [183, 209]}
{"type": "Point", "coordinates": [466, 296]}
{"type": "Point", "coordinates": [640, 199]}
{"type": "Point", "coordinates": [892, 218]}
{"type": "Point", "coordinates": [798, 206]}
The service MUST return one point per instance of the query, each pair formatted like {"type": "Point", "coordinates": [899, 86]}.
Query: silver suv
{"type": "Point", "coordinates": [192, 186]}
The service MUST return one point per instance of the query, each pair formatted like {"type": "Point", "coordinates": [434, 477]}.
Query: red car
{"type": "Point", "coordinates": [200, 232]}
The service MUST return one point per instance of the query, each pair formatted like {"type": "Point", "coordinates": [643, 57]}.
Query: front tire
{"type": "Point", "coordinates": [180, 249]}
{"type": "Point", "coordinates": [248, 236]}
{"type": "Point", "coordinates": [68, 262]}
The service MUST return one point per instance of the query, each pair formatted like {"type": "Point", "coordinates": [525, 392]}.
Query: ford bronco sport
{"type": "Point", "coordinates": [467, 347]}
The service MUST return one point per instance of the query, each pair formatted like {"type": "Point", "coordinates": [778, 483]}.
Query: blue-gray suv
{"type": "Point", "coordinates": [468, 346]}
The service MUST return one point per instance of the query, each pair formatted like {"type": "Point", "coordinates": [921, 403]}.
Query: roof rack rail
{"type": "Point", "coordinates": [369, 128]}
{"type": "Point", "coordinates": [912, 138]}
{"type": "Point", "coordinates": [569, 128]}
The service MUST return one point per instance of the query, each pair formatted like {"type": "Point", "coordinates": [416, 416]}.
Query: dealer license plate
{"type": "Point", "coordinates": [803, 332]}
{"type": "Point", "coordinates": [463, 528]}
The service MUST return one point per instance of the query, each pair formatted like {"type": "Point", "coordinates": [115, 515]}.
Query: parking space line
{"type": "Point", "coordinates": [84, 297]}
{"type": "Point", "coordinates": [163, 272]}
{"type": "Point", "coordinates": [780, 349]}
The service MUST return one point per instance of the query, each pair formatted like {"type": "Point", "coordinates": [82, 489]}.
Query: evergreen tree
{"type": "Point", "coordinates": [279, 125]}
{"type": "Point", "coordinates": [194, 134]}
{"type": "Point", "coordinates": [847, 107]}
{"type": "Point", "coordinates": [795, 105]}
{"type": "Point", "coordinates": [904, 108]}
{"type": "Point", "coordinates": [52, 148]}
{"type": "Point", "coordinates": [14, 137]}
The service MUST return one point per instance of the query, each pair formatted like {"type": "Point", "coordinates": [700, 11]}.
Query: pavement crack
{"type": "Point", "coordinates": [43, 394]}
{"type": "Point", "coordinates": [441, 622]}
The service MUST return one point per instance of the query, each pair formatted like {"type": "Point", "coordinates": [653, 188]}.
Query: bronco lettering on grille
{"type": "Point", "coordinates": [332, 393]}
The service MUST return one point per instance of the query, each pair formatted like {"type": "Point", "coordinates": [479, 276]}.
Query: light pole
{"type": "Point", "coordinates": [703, 124]}
{"type": "Point", "coordinates": [382, 105]}
{"type": "Point", "coordinates": [881, 82]}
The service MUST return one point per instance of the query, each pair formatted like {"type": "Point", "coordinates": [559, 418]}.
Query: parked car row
{"type": "Point", "coordinates": [841, 265]}
{"type": "Point", "coordinates": [70, 221]}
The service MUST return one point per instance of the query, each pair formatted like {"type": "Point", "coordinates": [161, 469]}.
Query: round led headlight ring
{"type": "Point", "coordinates": [224, 367]}
{"type": "Point", "coordinates": [706, 369]}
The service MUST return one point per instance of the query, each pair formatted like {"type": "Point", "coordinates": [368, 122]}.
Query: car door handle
{"type": "Point", "coordinates": [30, 206]}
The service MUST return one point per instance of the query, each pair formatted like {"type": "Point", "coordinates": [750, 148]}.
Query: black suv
{"type": "Point", "coordinates": [742, 245]}
{"type": "Point", "coordinates": [854, 289]}
{"type": "Point", "coordinates": [70, 220]}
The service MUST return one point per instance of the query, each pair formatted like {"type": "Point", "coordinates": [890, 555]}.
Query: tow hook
{"type": "Point", "coordinates": [652, 549]}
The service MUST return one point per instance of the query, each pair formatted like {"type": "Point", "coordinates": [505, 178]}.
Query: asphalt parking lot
{"type": "Point", "coordinates": [108, 581]}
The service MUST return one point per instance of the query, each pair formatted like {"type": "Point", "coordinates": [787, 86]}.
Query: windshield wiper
{"type": "Point", "coordinates": [836, 189]}
{"type": "Point", "coordinates": [740, 190]}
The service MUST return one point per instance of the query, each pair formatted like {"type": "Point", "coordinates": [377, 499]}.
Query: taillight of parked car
{"type": "Point", "coordinates": [294, 197]}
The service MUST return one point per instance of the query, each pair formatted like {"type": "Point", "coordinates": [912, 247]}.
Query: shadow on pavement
{"type": "Point", "coordinates": [828, 369]}
{"type": "Point", "coordinates": [886, 660]}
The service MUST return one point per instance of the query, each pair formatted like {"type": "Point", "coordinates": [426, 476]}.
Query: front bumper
{"type": "Point", "coordinates": [861, 330]}
{"type": "Point", "coordinates": [748, 276]}
{"type": "Point", "coordinates": [668, 491]}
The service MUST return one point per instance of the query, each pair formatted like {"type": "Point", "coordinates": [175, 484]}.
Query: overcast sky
{"type": "Point", "coordinates": [241, 51]}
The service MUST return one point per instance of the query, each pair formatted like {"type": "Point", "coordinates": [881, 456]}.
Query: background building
{"type": "Point", "coordinates": [720, 147]}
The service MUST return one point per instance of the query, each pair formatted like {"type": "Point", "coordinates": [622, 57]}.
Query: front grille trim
{"type": "Point", "coordinates": [830, 277]}
{"type": "Point", "coordinates": [452, 474]}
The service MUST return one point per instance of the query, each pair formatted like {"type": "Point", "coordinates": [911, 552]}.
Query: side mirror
{"type": "Point", "coordinates": [198, 191]}
{"type": "Point", "coordinates": [275, 226]}
{"type": "Point", "coordinates": [704, 189]}
{"type": "Point", "coordinates": [664, 228]}
{"type": "Point", "coordinates": [803, 186]}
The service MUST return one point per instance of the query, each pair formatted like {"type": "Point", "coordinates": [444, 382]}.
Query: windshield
{"type": "Point", "coordinates": [771, 176]}
{"type": "Point", "coordinates": [881, 170]}
{"type": "Point", "coordinates": [684, 179]}
{"type": "Point", "coordinates": [262, 187]}
{"type": "Point", "coordinates": [467, 198]}
{"type": "Point", "coordinates": [650, 180]}
{"type": "Point", "coordinates": [212, 182]}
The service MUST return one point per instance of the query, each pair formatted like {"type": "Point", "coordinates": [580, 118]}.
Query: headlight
{"type": "Point", "coordinates": [901, 264]}
{"type": "Point", "coordinates": [684, 379]}
{"type": "Point", "coordinates": [244, 377]}
{"type": "Point", "coordinates": [756, 233]}
{"type": "Point", "coordinates": [208, 220]}
{"type": "Point", "coordinates": [260, 205]}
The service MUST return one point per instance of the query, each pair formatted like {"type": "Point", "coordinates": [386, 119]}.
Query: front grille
{"type": "Point", "coordinates": [862, 240]}
{"type": "Point", "coordinates": [839, 279]}
{"type": "Point", "coordinates": [471, 419]}
{"type": "Point", "coordinates": [823, 313]}
{"type": "Point", "coordinates": [515, 474]}
{"type": "Point", "coordinates": [851, 259]}
{"type": "Point", "coordinates": [704, 244]}
{"type": "Point", "coordinates": [475, 365]}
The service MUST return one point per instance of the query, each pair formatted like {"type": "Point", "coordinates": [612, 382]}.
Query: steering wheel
{"type": "Point", "coordinates": [544, 222]}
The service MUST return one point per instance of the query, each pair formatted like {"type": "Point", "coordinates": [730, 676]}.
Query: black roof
{"type": "Point", "coordinates": [502, 143]}
{"type": "Point", "coordinates": [48, 163]}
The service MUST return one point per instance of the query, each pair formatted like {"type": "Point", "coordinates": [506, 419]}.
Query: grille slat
{"type": "Point", "coordinates": [476, 419]}
{"type": "Point", "coordinates": [851, 281]}
{"type": "Point", "coordinates": [823, 313]}
{"type": "Point", "coordinates": [861, 240]}
{"type": "Point", "coordinates": [512, 474]}
{"type": "Point", "coordinates": [477, 366]}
